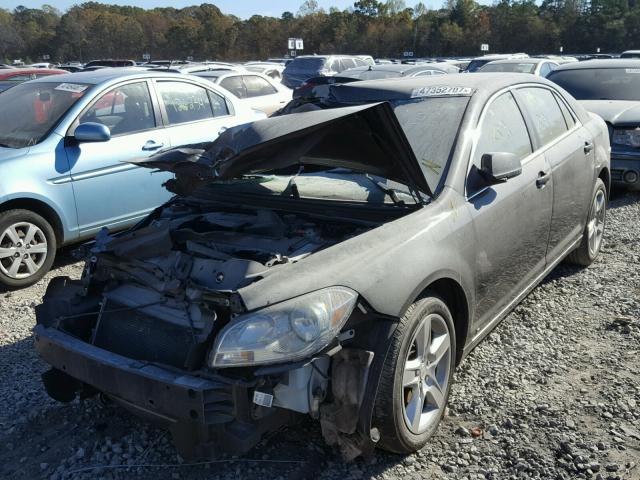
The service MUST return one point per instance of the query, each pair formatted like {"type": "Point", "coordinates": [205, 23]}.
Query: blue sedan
{"type": "Point", "coordinates": [64, 144]}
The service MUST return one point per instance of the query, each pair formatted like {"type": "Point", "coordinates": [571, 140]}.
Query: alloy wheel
{"type": "Point", "coordinates": [426, 374]}
{"type": "Point", "coordinates": [595, 227]}
{"type": "Point", "coordinates": [23, 250]}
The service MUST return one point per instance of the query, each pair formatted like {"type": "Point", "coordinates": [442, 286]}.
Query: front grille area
{"type": "Point", "coordinates": [135, 335]}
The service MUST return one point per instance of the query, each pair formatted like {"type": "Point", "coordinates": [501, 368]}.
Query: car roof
{"type": "Point", "coordinates": [102, 75]}
{"type": "Point", "coordinates": [222, 73]}
{"type": "Point", "coordinates": [522, 60]}
{"type": "Point", "coordinates": [601, 63]}
{"type": "Point", "coordinates": [500, 56]}
{"type": "Point", "coordinates": [331, 55]}
{"type": "Point", "coordinates": [484, 84]}
{"type": "Point", "coordinates": [18, 71]}
{"type": "Point", "coordinates": [397, 67]}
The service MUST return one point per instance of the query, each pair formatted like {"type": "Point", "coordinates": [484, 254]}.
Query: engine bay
{"type": "Point", "coordinates": [163, 289]}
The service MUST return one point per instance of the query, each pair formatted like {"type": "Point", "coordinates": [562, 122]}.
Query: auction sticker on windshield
{"type": "Point", "coordinates": [632, 70]}
{"type": "Point", "coordinates": [71, 87]}
{"type": "Point", "coordinates": [441, 91]}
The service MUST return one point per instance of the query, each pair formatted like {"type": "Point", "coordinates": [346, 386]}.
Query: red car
{"type": "Point", "coordinates": [11, 77]}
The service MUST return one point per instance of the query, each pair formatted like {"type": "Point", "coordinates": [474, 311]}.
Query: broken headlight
{"type": "Point", "coordinates": [288, 331]}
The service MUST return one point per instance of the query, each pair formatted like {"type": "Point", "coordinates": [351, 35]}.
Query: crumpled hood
{"type": "Point", "coordinates": [615, 112]}
{"type": "Point", "coordinates": [365, 138]}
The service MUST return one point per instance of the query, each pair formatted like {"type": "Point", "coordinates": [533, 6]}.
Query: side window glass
{"type": "Point", "coordinates": [346, 63]}
{"type": "Point", "coordinates": [185, 102]}
{"type": "Point", "coordinates": [545, 113]}
{"type": "Point", "coordinates": [219, 104]}
{"type": "Point", "coordinates": [125, 109]}
{"type": "Point", "coordinates": [234, 85]}
{"type": "Point", "coordinates": [19, 78]}
{"type": "Point", "coordinates": [568, 117]}
{"type": "Point", "coordinates": [257, 87]}
{"type": "Point", "coordinates": [545, 69]}
{"type": "Point", "coordinates": [502, 130]}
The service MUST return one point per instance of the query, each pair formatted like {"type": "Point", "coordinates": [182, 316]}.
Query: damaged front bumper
{"type": "Point", "coordinates": [204, 415]}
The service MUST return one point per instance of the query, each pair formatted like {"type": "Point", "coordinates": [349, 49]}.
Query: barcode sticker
{"type": "Point", "coordinates": [71, 87]}
{"type": "Point", "coordinates": [441, 91]}
{"type": "Point", "coordinates": [262, 399]}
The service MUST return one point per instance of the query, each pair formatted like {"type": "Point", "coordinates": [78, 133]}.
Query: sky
{"type": "Point", "coordinates": [240, 8]}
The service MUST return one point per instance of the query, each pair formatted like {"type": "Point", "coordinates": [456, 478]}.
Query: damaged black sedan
{"type": "Point", "coordinates": [338, 261]}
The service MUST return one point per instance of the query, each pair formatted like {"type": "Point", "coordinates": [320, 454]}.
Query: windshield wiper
{"type": "Point", "coordinates": [390, 192]}
{"type": "Point", "coordinates": [292, 188]}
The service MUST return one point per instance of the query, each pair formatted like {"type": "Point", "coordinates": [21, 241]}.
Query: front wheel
{"type": "Point", "coordinates": [593, 233]}
{"type": "Point", "coordinates": [416, 377]}
{"type": "Point", "coordinates": [27, 247]}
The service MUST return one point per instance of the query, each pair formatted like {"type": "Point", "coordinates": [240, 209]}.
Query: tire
{"type": "Point", "coordinates": [15, 226]}
{"type": "Point", "coordinates": [593, 233]}
{"type": "Point", "coordinates": [393, 411]}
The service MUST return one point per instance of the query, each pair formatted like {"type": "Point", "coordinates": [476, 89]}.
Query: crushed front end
{"type": "Point", "coordinates": [153, 321]}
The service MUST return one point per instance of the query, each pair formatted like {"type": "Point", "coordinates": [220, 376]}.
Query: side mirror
{"type": "Point", "coordinates": [497, 167]}
{"type": "Point", "coordinates": [92, 132]}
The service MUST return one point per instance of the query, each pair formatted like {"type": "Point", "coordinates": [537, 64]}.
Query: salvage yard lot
{"type": "Point", "coordinates": [554, 392]}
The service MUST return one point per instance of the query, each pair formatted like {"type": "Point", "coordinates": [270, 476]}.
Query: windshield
{"type": "Point", "coordinates": [30, 110]}
{"type": "Point", "coordinates": [509, 67]}
{"type": "Point", "coordinates": [306, 65]}
{"type": "Point", "coordinates": [370, 74]}
{"type": "Point", "coordinates": [600, 83]}
{"type": "Point", "coordinates": [429, 124]}
{"type": "Point", "coordinates": [476, 64]}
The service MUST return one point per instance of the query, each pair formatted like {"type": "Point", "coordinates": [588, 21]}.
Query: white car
{"type": "Point", "coordinates": [252, 89]}
{"type": "Point", "coordinates": [270, 69]}
{"type": "Point", "coordinates": [478, 62]}
{"type": "Point", "coordinates": [536, 66]}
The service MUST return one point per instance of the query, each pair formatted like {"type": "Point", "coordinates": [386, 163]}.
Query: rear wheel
{"type": "Point", "coordinates": [416, 378]}
{"type": "Point", "coordinates": [27, 247]}
{"type": "Point", "coordinates": [593, 233]}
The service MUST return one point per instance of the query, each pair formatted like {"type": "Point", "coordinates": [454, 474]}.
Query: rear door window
{"type": "Point", "coordinates": [566, 113]}
{"type": "Point", "coordinates": [544, 111]}
{"type": "Point", "coordinates": [185, 102]}
{"type": "Point", "coordinates": [257, 87]}
{"type": "Point", "coordinates": [345, 63]}
{"type": "Point", "coordinates": [219, 104]}
{"type": "Point", "coordinates": [546, 69]}
{"type": "Point", "coordinates": [235, 85]}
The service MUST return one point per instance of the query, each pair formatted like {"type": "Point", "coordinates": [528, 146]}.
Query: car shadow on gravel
{"type": "Point", "coordinates": [622, 198]}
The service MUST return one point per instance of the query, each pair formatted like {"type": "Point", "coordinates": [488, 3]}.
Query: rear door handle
{"type": "Point", "coordinates": [543, 178]}
{"type": "Point", "coordinates": [588, 146]}
{"type": "Point", "coordinates": [151, 145]}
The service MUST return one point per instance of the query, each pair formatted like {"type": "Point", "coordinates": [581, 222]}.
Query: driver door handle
{"type": "Point", "coordinates": [543, 178]}
{"type": "Point", "coordinates": [151, 145]}
{"type": "Point", "coordinates": [588, 146]}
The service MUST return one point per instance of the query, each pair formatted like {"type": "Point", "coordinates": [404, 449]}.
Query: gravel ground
{"type": "Point", "coordinates": [553, 393]}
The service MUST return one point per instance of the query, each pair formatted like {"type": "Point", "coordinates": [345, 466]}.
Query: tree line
{"type": "Point", "coordinates": [92, 30]}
